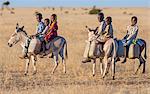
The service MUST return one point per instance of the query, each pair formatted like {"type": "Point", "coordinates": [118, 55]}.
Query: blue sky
{"type": "Point", "coordinates": [78, 3]}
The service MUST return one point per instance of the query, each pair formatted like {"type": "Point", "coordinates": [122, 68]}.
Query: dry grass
{"type": "Point", "coordinates": [78, 79]}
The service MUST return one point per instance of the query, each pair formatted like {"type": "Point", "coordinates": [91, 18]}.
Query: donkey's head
{"type": "Point", "coordinates": [94, 31]}
{"type": "Point", "coordinates": [15, 37]}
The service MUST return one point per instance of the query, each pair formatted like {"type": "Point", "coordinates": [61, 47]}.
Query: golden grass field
{"type": "Point", "coordinates": [78, 79]}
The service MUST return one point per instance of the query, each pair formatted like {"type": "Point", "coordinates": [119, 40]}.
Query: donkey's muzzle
{"type": "Point", "coordinates": [10, 45]}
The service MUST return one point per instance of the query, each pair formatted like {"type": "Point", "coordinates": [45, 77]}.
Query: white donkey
{"type": "Point", "coordinates": [110, 54]}
{"type": "Point", "coordinates": [58, 46]}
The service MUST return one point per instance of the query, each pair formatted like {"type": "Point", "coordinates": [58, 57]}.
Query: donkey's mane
{"type": "Point", "coordinates": [23, 31]}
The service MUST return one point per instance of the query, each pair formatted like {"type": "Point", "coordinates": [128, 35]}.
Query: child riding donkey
{"type": "Point", "coordinates": [51, 33]}
{"type": "Point", "coordinates": [39, 34]}
{"type": "Point", "coordinates": [101, 35]}
{"type": "Point", "coordinates": [132, 31]}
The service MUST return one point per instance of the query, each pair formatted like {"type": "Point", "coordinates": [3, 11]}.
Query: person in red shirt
{"type": "Point", "coordinates": [52, 32]}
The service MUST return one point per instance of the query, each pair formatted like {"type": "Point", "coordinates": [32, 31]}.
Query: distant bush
{"type": "Point", "coordinates": [44, 8]}
{"type": "Point", "coordinates": [94, 10]}
{"type": "Point", "coordinates": [12, 12]}
{"type": "Point", "coordinates": [130, 13]}
{"type": "Point", "coordinates": [74, 9]}
{"type": "Point", "coordinates": [84, 8]}
{"type": "Point", "coordinates": [13, 8]}
{"type": "Point", "coordinates": [124, 12]}
{"type": "Point", "coordinates": [66, 12]}
{"type": "Point", "coordinates": [53, 8]}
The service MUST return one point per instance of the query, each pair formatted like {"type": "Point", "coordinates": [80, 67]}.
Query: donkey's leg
{"type": "Point", "coordinates": [108, 65]}
{"type": "Point", "coordinates": [27, 66]}
{"type": "Point", "coordinates": [101, 65]}
{"type": "Point", "coordinates": [113, 68]}
{"type": "Point", "coordinates": [34, 64]}
{"type": "Point", "coordinates": [138, 67]}
{"type": "Point", "coordinates": [61, 53]}
{"type": "Point", "coordinates": [144, 64]}
{"type": "Point", "coordinates": [64, 65]}
{"type": "Point", "coordinates": [56, 63]}
{"type": "Point", "coordinates": [105, 65]}
{"type": "Point", "coordinates": [94, 66]}
{"type": "Point", "coordinates": [142, 61]}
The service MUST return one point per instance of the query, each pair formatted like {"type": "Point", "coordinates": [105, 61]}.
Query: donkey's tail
{"type": "Point", "coordinates": [145, 51]}
{"type": "Point", "coordinates": [115, 48]}
{"type": "Point", "coordinates": [66, 51]}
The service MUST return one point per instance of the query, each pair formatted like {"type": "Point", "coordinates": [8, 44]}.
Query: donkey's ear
{"type": "Point", "coordinates": [88, 28]}
{"type": "Point", "coordinates": [17, 26]}
{"type": "Point", "coordinates": [96, 28]}
{"type": "Point", "coordinates": [22, 27]}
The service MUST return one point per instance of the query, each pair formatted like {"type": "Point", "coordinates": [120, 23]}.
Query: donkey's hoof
{"type": "Point", "coordinates": [113, 77]}
{"type": "Point", "coordinates": [52, 73]}
{"type": "Point", "coordinates": [34, 72]}
{"type": "Point", "coordinates": [143, 72]}
{"type": "Point", "coordinates": [103, 76]}
{"type": "Point", "coordinates": [93, 75]}
{"type": "Point", "coordinates": [25, 74]}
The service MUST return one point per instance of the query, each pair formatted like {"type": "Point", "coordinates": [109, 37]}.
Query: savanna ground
{"type": "Point", "coordinates": [78, 79]}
